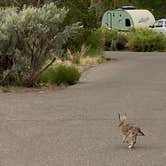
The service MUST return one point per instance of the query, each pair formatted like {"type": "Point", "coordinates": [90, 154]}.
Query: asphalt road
{"type": "Point", "coordinates": [77, 126]}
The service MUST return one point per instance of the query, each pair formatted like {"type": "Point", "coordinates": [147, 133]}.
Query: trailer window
{"type": "Point", "coordinates": [160, 23]}
{"type": "Point", "coordinates": [127, 22]}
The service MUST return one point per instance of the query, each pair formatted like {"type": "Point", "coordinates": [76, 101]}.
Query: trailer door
{"type": "Point", "coordinates": [109, 20]}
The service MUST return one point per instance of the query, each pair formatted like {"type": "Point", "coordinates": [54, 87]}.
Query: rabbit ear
{"type": "Point", "coordinates": [119, 116]}
{"type": "Point", "coordinates": [124, 117]}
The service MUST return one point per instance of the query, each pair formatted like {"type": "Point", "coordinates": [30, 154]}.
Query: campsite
{"type": "Point", "coordinates": [82, 83]}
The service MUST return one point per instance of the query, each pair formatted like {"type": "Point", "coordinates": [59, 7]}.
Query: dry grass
{"type": "Point", "coordinates": [88, 62]}
{"type": "Point", "coordinates": [85, 62]}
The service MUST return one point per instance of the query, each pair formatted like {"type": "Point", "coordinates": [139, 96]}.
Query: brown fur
{"type": "Point", "coordinates": [129, 131]}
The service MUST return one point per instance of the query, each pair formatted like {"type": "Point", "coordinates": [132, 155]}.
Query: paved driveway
{"type": "Point", "coordinates": [77, 126]}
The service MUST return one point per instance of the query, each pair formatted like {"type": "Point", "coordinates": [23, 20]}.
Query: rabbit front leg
{"type": "Point", "coordinates": [124, 140]}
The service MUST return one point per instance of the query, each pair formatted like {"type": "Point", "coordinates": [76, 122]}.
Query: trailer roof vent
{"type": "Point", "coordinates": [128, 7]}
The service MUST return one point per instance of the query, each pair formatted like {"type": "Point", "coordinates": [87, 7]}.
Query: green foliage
{"type": "Point", "coordinates": [103, 38]}
{"type": "Point", "coordinates": [119, 42]}
{"type": "Point", "coordinates": [75, 44]}
{"type": "Point", "coordinates": [146, 40]}
{"type": "Point", "coordinates": [20, 3]}
{"type": "Point", "coordinates": [48, 75]}
{"type": "Point", "coordinates": [110, 35]}
{"type": "Point", "coordinates": [90, 12]}
{"type": "Point", "coordinates": [61, 74]}
{"type": "Point", "coordinates": [30, 38]}
{"type": "Point", "coordinates": [96, 40]}
{"type": "Point", "coordinates": [137, 40]}
{"type": "Point", "coordinates": [158, 8]}
{"type": "Point", "coordinates": [79, 11]}
{"type": "Point", "coordinates": [115, 40]}
{"type": "Point", "coordinates": [100, 6]}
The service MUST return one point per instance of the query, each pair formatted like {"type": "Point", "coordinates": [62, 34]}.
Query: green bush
{"type": "Point", "coordinates": [76, 43]}
{"type": "Point", "coordinates": [119, 42]}
{"type": "Point", "coordinates": [106, 39]}
{"type": "Point", "coordinates": [48, 76]}
{"type": "Point", "coordinates": [115, 40]}
{"type": "Point", "coordinates": [96, 40]}
{"type": "Point", "coordinates": [146, 40]}
{"type": "Point", "coordinates": [109, 36]}
{"type": "Point", "coordinates": [61, 74]}
{"type": "Point", "coordinates": [29, 39]}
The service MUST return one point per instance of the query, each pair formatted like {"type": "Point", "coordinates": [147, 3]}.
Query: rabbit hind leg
{"type": "Point", "coordinates": [133, 142]}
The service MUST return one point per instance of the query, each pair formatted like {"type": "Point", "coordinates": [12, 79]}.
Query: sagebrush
{"type": "Point", "coordinates": [28, 39]}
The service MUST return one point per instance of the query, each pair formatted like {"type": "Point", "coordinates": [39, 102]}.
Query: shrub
{"type": "Point", "coordinates": [96, 40]}
{"type": "Point", "coordinates": [146, 40]}
{"type": "Point", "coordinates": [61, 74]}
{"type": "Point", "coordinates": [30, 38]}
{"type": "Point", "coordinates": [115, 40]}
{"type": "Point", "coordinates": [106, 39]}
{"type": "Point", "coordinates": [48, 75]}
{"type": "Point", "coordinates": [119, 42]}
{"type": "Point", "coordinates": [109, 36]}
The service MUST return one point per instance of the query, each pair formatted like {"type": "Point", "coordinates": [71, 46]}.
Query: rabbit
{"type": "Point", "coordinates": [129, 131]}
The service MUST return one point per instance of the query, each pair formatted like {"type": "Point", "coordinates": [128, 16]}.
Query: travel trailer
{"type": "Point", "coordinates": [127, 17]}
